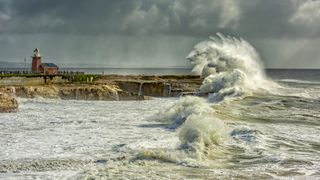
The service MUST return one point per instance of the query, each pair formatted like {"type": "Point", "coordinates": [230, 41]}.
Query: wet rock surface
{"type": "Point", "coordinates": [8, 103]}
{"type": "Point", "coordinates": [71, 92]}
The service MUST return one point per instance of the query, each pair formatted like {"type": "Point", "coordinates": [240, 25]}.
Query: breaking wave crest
{"type": "Point", "coordinates": [231, 67]}
{"type": "Point", "coordinates": [199, 129]}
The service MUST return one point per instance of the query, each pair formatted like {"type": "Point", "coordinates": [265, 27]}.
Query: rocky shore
{"type": "Point", "coordinates": [106, 88]}
{"type": "Point", "coordinates": [8, 103]}
{"type": "Point", "coordinates": [78, 92]}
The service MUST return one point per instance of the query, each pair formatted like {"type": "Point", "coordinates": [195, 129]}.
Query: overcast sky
{"type": "Point", "coordinates": [157, 33]}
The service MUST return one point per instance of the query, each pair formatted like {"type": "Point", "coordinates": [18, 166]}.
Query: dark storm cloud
{"type": "Point", "coordinates": [262, 18]}
{"type": "Point", "coordinates": [64, 16]}
{"type": "Point", "coordinates": [250, 18]}
{"type": "Point", "coordinates": [157, 33]}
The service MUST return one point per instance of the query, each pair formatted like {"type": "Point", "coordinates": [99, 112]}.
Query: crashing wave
{"type": "Point", "coordinates": [201, 133]}
{"type": "Point", "coordinates": [231, 67]}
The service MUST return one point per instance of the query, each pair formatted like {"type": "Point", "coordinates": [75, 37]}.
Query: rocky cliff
{"type": "Point", "coordinates": [155, 86]}
{"type": "Point", "coordinates": [107, 88]}
{"type": "Point", "coordinates": [8, 103]}
{"type": "Point", "coordinates": [111, 87]}
{"type": "Point", "coordinates": [78, 92]}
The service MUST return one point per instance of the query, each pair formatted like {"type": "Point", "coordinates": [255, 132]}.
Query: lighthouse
{"type": "Point", "coordinates": [36, 61]}
{"type": "Point", "coordinates": [42, 68]}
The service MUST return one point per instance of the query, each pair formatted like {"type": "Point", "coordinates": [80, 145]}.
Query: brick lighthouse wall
{"type": "Point", "coordinates": [36, 62]}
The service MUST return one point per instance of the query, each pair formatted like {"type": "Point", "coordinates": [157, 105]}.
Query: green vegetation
{"type": "Point", "coordinates": [81, 78]}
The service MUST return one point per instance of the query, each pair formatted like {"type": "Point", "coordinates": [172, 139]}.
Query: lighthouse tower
{"type": "Point", "coordinates": [36, 61]}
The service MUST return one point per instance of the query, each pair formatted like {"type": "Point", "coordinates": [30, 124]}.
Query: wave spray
{"type": "Point", "coordinates": [230, 66]}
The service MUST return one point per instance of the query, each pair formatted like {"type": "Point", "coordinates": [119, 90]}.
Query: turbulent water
{"type": "Point", "coordinates": [245, 125]}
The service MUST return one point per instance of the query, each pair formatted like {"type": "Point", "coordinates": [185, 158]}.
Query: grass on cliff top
{"type": "Point", "coordinates": [81, 78]}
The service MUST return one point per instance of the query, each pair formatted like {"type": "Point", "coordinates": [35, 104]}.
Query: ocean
{"type": "Point", "coordinates": [252, 125]}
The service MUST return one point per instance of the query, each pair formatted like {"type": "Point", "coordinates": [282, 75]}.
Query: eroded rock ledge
{"type": "Point", "coordinates": [8, 103]}
{"type": "Point", "coordinates": [107, 88]}
{"type": "Point", "coordinates": [78, 92]}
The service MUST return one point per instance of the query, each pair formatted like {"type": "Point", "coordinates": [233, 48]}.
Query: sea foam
{"type": "Point", "coordinates": [231, 68]}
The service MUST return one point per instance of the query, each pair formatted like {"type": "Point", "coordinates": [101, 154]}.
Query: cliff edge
{"type": "Point", "coordinates": [8, 103]}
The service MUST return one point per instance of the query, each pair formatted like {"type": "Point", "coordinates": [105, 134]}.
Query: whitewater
{"type": "Point", "coordinates": [243, 124]}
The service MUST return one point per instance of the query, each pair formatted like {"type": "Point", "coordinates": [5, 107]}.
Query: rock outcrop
{"type": "Point", "coordinates": [155, 86]}
{"type": "Point", "coordinates": [8, 103]}
{"type": "Point", "coordinates": [78, 92]}
{"type": "Point", "coordinates": [110, 87]}
{"type": "Point", "coordinates": [92, 92]}
{"type": "Point", "coordinates": [44, 91]}
{"type": "Point", "coordinates": [148, 88]}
